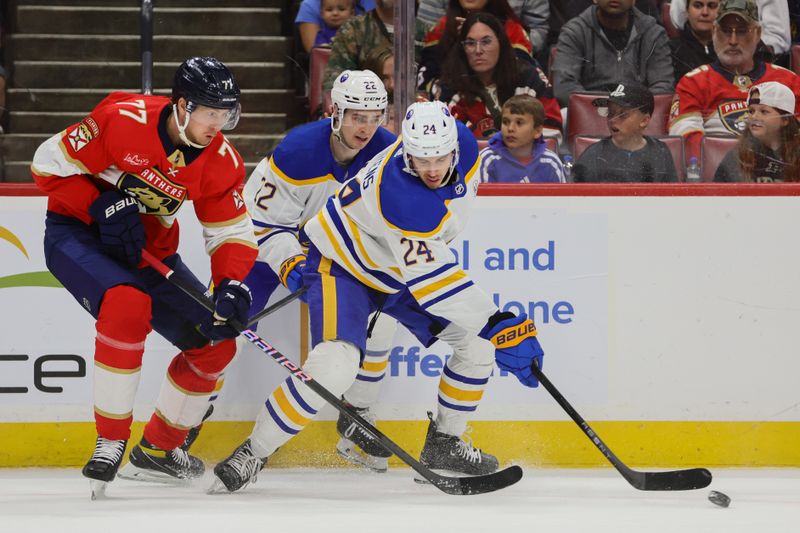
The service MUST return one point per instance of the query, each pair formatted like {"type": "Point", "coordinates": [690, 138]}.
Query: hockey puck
{"type": "Point", "coordinates": [719, 498]}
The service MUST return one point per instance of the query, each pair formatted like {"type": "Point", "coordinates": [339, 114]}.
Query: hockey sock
{"type": "Point", "coordinates": [122, 326]}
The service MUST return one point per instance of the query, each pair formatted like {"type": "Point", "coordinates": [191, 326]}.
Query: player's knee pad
{"type": "Point", "coordinates": [209, 361]}
{"type": "Point", "coordinates": [334, 364]}
{"type": "Point", "coordinates": [382, 334]}
{"type": "Point", "coordinates": [125, 314]}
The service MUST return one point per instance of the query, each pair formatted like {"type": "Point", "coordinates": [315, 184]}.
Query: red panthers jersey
{"type": "Point", "coordinates": [124, 144]}
{"type": "Point", "coordinates": [711, 100]}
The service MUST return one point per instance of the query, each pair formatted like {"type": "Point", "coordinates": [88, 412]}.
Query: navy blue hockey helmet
{"type": "Point", "coordinates": [206, 81]}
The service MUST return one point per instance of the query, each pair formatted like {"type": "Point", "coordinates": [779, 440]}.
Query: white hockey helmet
{"type": "Point", "coordinates": [429, 130]}
{"type": "Point", "coordinates": [357, 89]}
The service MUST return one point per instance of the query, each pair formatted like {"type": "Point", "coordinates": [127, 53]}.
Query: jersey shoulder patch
{"type": "Point", "coordinates": [406, 203]}
{"type": "Point", "coordinates": [305, 153]}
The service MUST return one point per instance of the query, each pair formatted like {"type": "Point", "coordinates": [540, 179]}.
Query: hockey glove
{"type": "Point", "coordinates": [292, 273]}
{"type": "Point", "coordinates": [232, 300]}
{"type": "Point", "coordinates": [121, 230]}
{"type": "Point", "coordinates": [516, 345]}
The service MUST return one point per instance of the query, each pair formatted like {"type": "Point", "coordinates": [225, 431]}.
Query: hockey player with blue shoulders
{"type": "Point", "coordinates": [383, 238]}
{"type": "Point", "coordinates": [287, 189]}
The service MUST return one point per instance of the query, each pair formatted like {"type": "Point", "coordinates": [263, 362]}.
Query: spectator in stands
{"type": "Point", "coordinates": [627, 155]}
{"type": "Point", "coordinates": [360, 35]}
{"type": "Point", "coordinates": [309, 20]}
{"type": "Point", "coordinates": [441, 39]}
{"type": "Point", "coordinates": [712, 98]}
{"type": "Point", "coordinates": [517, 153]}
{"type": "Point", "coordinates": [482, 73]}
{"type": "Point", "coordinates": [532, 13]}
{"type": "Point", "coordinates": [769, 149]}
{"type": "Point", "coordinates": [774, 20]}
{"type": "Point", "coordinates": [694, 47]}
{"type": "Point", "coordinates": [611, 42]}
{"type": "Point", "coordinates": [334, 13]}
{"type": "Point", "coordinates": [381, 62]}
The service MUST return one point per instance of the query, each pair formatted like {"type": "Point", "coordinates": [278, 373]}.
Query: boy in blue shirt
{"type": "Point", "coordinates": [517, 153]}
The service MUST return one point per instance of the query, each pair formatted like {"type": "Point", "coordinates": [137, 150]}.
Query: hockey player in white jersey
{"type": "Point", "coordinates": [383, 238]}
{"type": "Point", "coordinates": [287, 189]}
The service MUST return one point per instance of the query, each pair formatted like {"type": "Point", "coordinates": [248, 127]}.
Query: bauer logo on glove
{"type": "Point", "coordinates": [516, 345]}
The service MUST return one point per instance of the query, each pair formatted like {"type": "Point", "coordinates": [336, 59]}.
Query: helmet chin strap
{"type": "Point", "coordinates": [337, 131]}
{"type": "Point", "coordinates": [182, 128]}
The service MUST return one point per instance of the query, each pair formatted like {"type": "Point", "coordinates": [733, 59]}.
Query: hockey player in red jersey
{"type": "Point", "coordinates": [115, 182]}
{"type": "Point", "coordinates": [712, 99]}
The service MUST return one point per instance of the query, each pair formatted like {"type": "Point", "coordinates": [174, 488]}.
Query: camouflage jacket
{"type": "Point", "coordinates": [357, 38]}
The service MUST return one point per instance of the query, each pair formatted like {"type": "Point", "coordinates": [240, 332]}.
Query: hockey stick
{"type": "Point", "coordinates": [274, 307]}
{"type": "Point", "coordinates": [693, 478]}
{"type": "Point", "coordinates": [447, 484]}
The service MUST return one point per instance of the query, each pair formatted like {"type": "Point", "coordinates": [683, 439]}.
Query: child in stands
{"type": "Point", "coordinates": [769, 149]}
{"type": "Point", "coordinates": [517, 153]}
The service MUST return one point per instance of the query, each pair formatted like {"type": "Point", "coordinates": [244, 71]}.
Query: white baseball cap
{"type": "Point", "coordinates": [773, 94]}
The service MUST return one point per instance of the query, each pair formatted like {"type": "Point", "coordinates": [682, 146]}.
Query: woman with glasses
{"type": "Point", "coordinates": [483, 72]}
{"type": "Point", "coordinates": [441, 39]}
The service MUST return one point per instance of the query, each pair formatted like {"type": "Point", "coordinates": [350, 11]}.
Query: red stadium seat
{"type": "Point", "coordinates": [582, 117]}
{"type": "Point", "coordinates": [796, 58]}
{"type": "Point", "coordinates": [658, 121]}
{"type": "Point", "coordinates": [582, 142]}
{"type": "Point", "coordinates": [713, 151]}
{"type": "Point", "coordinates": [675, 145]}
{"type": "Point", "coordinates": [483, 143]}
{"type": "Point", "coordinates": [319, 59]}
{"type": "Point", "coordinates": [672, 31]}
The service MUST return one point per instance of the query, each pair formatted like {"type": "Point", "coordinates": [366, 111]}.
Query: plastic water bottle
{"type": "Point", "coordinates": [568, 168]}
{"type": "Point", "coordinates": [693, 171]}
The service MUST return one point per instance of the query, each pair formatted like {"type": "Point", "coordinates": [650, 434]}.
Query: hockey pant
{"type": "Point", "coordinates": [128, 304]}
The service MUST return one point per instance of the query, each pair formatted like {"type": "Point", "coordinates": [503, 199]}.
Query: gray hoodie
{"type": "Point", "coordinates": [587, 61]}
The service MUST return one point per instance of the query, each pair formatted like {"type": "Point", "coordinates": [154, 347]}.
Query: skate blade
{"type": "Point", "coordinates": [217, 487]}
{"type": "Point", "coordinates": [98, 489]}
{"type": "Point", "coordinates": [134, 473]}
{"type": "Point", "coordinates": [353, 454]}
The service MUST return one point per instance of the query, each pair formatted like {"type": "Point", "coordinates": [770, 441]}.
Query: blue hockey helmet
{"type": "Point", "coordinates": [207, 81]}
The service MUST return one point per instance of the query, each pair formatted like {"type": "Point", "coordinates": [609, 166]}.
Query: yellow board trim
{"type": "Point", "coordinates": [640, 444]}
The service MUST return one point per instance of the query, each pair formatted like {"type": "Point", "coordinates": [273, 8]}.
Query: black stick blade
{"type": "Point", "coordinates": [464, 486]}
{"type": "Point", "coordinates": [694, 478]}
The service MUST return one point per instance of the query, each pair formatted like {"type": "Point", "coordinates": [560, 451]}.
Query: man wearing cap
{"type": "Point", "coordinates": [627, 155]}
{"type": "Point", "coordinates": [711, 99]}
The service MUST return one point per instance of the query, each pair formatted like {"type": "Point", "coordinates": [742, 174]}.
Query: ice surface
{"type": "Point", "coordinates": [348, 500]}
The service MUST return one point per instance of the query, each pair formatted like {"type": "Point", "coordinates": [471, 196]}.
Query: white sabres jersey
{"type": "Point", "coordinates": [288, 188]}
{"type": "Point", "coordinates": [390, 231]}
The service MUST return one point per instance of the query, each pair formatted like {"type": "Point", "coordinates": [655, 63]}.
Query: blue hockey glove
{"type": "Point", "coordinates": [232, 300]}
{"type": "Point", "coordinates": [516, 345]}
{"type": "Point", "coordinates": [292, 273]}
{"type": "Point", "coordinates": [121, 231]}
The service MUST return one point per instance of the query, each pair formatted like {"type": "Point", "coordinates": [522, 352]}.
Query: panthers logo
{"type": "Point", "coordinates": [734, 116]}
{"type": "Point", "coordinates": [155, 192]}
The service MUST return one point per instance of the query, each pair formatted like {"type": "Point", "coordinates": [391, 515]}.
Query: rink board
{"type": "Point", "coordinates": [667, 314]}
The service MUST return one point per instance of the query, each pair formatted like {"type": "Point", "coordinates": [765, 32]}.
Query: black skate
{"type": "Point", "coordinates": [103, 465]}
{"type": "Point", "coordinates": [454, 455]}
{"type": "Point", "coordinates": [195, 431]}
{"type": "Point", "coordinates": [150, 463]}
{"type": "Point", "coordinates": [237, 471]}
{"type": "Point", "coordinates": [357, 446]}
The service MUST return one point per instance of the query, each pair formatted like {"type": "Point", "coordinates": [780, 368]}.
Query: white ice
{"type": "Point", "coordinates": [353, 501]}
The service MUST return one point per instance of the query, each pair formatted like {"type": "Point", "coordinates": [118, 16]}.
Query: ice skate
{"type": "Point", "coordinates": [357, 446]}
{"type": "Point", "coordinates": [237, 471]}
{"type": "Point", "coordinates": [103, 465]}
{"type": "Point", "coordinates": [150, 463]}
{"type": "Point", "coordinates": [453, 455]}
{"type": "Point", "coordinates": [195, 431]}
